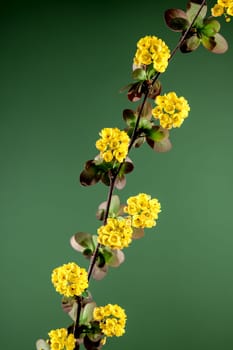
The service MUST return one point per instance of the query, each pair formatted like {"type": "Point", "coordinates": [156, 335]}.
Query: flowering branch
{"type": "Point", "coordinates": [134, 135]}
{"type": "Point", "coordinates": [122, 223]}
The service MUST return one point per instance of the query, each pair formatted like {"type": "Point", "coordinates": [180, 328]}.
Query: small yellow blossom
{"type": "Point", "coordinates": [223, 7]}
{"type": "Point", "coordinates": [69, 279]}
{"type": "Point", "coordinates": [143, 209]}
{"type": "Point", "coordinates": [113, 144]}
{"type": "Point", "coordinates": [116, 234]}
{"type": "Point", "coordinates": [171, 110]}
{"type": "Point", "coordinates": [60, 340]}
{"type": "Point", "coordinates": [151, 49]}
{"type": "Point", "coordinates": [111, 318]}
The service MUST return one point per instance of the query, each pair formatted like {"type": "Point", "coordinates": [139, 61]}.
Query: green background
{"type": "Point", "coordinates": [62, 65]}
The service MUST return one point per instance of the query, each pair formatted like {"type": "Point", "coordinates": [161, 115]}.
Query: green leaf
{"type": "Point", "coordinates": [192, 9]}
{"type": "Point", "coordinates": [211, 27]}
{"type": "Point", "coordinates": [190, 44]}
{"type": "Point", "coordinates": [129, 117]}
{"type": "Point", "coordinates": [157, 133]}
{"type": "Point", "coordinates": [139, 74]}
{"type": "Point", "coordinates": [41, 344]}
{"type": "Point", "coordinates": [176, 19]}
{"type": "Point", "coordinates": [87, 313]}
{"type": "Point", "coordinates": [144, 124]}
{"type": "Point", "coordinates": [81, 241]}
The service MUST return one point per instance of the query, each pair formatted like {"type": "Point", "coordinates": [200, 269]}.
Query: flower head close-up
{"type": "Point", "coordinates": [70, 279]}
{"type": "Point", "coordinates": [143, 209]}
{"type": "Point", "coordinates": [171, 110]}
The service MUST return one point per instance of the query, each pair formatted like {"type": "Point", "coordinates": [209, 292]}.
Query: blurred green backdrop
{"type": "Point", "coordinates": [62, 65]}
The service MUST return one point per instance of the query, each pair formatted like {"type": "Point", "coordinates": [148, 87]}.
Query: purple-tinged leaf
{"type": "Point", "coordinates": [99, 273]}
{"type": "Point", "coordinates": [139, 141]}
{"type": "Point", "coordinates": [163, 145]}
{"type": "Point", "coordinates": [105, 179]}
{"type": "Point", "coordinates": [127, 166]}
{"type": "Point", "coordinates": [190, 44]}
{"type": "Point", "coordinates": [120, 182]}
{"type": "Point", "coordinates": [135, 92]}
{"type": "Point", "coordinates": [67, 304]}
{"type": "Point", "coordinates": [129, 117]}
{"type": "Point", "coordinates": [90, 175]}
{"type": "Point", "coordinates": [216, 44]}
{"type": "Point", "coordinates": [176, 20]}
{"type": "Point", "coordinates": [117, 258]}
{"type": "Point", "coordinates": [155, 90]}
{"type": "Point", "coordinates": [138, 233]}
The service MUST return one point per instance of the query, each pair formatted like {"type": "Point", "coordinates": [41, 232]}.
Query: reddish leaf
{"type": "Point", "coordinates": [161, 146]}
{"type": "Point", "coordinates": [176, 20]}
{"type": "Point", "coordinates": [216, 44]}
{"type": "Point", "coordinates": [117, 258]}
{"type": "Point", "coordinates": [138, 233]}
{"type": "Point", "coordinates": [99, 273]}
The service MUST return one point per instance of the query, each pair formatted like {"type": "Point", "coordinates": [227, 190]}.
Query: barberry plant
{"type": "Point", "coordinates": [149, 123]}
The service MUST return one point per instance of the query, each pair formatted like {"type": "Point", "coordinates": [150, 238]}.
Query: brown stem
{"type": "Point", "coordinates": [76, 325]}
{"type": "Point", "coordinates": [133, 138]}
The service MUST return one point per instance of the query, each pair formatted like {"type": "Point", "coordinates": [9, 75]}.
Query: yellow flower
{"type": "Point", "coordinates": [111, 318]}
{"type": "Point", "coordinates": [113, 144]}
{"type": "Point", "coordinates": [171, 110]}
{"type": "Point", "coordinates": [223, 7]}
{"type": "Point", "coordinates": [69, 279]}
{"type": "Point", "coordinates": [143, 209]}
{"type": "Point", "coordinates": [230, 10]}
{"type": "Point", "coordinates": [116, 234]}
{"type": "Point", "coordinates": [217, 10]}
{"type": "Point", "coordinates": [151, 49]}
{"type": "Point", "coordinates": [60, 340]}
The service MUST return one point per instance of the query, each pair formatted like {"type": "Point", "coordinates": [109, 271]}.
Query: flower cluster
{"type": "Point", "coordinates": [143, 209]}
{"type": "Point", "coordinates": [60, 340]}
{"type": "Point", "coordinates": [113, 144]}
{"type": "Point", "coordinates": [70, 279]}
{"type": "Point", "coordinates": [116, 234]}
{"type": "Point", "coordinates": [223, 7]}
{"type": "Point", "coordinates": [171, 110]}
{"type": "Point", "coordinates": [111, 318]}
{"type": "Point", "coordinates": [151, 49]}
